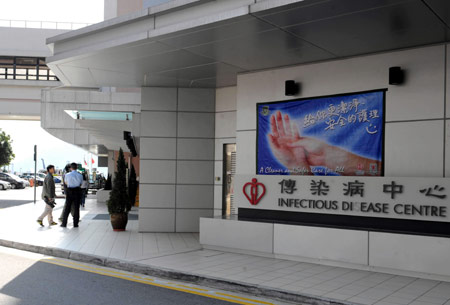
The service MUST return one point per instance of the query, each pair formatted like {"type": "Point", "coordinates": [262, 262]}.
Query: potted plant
{"type": "Point", "coordinates": [132, 186]}
{"type": "Point", "coordinates": [119, 202]}
{"type": "Point", "coordinates": [108, 184]}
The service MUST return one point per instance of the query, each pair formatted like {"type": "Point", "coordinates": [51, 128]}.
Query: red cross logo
{"type": "Point", "coordinates": [253, 197]}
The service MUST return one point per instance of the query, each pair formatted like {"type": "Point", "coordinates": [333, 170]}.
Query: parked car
{"type": "Point", "coordinates": [26, 182]}
{"type": "Point", "coordinates": [27, 178]}
{"type": "Point", "coordinates": [57, 179]}
{"type": "Point", "coordinates": [40, 181]}
{"type": "Point", "coordinates": [98, 183]}
{"type": "Point", "coordinates": [15, 181]}
{"type": "Point", "coordinates": [39, 178]}
{"type": "Point", "coordinates": [4, 185]}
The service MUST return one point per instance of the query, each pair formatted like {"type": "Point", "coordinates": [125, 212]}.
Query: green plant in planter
{"type": "Point", "coordinates": [108, 183]}
{"type": "Point", "coordinates": [132, 186]}
{"type": "Point", "coordinates": [119, 202]}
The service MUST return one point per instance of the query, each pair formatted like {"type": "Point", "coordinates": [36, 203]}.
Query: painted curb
{"type": "Point", "coordinates": [209, 281]}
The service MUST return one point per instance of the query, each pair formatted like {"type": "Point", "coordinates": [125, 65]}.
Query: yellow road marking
{"type": "Point", "coordinates": [200, 289]}
{"type": "Point", "coordinates": [95, 268]}
{"type": "Point", "coordinates": [242, 298]}
{"type": "Point", "coordinates": [151, 282]}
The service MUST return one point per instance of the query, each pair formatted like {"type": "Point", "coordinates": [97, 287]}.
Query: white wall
{"type": "Point", "coordinates": [26, 42]}
{"type": "Point", "coordinates": [408, 255]}
{"type": "Point", "coordinates": [176, 158]}
{"type": "Point", "coordinates": [225, 134]}
{"type": "Point", "coordinates": [415, 111]}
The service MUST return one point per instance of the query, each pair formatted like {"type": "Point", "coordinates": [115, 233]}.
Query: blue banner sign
{"type": "Point", "coordinates": [334, 135]}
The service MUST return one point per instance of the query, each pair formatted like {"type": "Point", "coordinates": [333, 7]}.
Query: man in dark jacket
{"type": "Point", "coordinates": [66, 171]}
{"type": "Point", "coordinates": [48, 195]}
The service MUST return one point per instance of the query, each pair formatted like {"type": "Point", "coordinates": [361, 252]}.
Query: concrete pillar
{"type": "Point", "coordinates": [111, 163]}
{"type": "Point", "coordinates": [177, 158]}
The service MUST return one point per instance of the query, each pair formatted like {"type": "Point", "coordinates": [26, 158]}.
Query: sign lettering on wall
{"type": "Point", "coordinates": [424, 199]}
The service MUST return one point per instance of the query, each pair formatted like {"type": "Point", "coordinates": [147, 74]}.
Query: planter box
{"type": "Point", "coordinates": [102, 196]}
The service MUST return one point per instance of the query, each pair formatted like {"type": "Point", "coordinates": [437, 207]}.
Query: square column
{"type": "Point", "coordinates": [177, 158]}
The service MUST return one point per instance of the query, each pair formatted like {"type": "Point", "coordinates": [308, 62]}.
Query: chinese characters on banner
{"type": "Point", "coordinates": [324, 136]}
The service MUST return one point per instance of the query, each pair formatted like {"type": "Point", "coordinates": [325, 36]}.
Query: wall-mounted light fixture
{"type": "Point", "coordinates": [291, 88]}
{"type": "Point", "coordinates": [396, 76]}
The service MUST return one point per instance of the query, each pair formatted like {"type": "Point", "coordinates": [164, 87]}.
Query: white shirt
{"type": "Point", "coordinates": [84, 184]}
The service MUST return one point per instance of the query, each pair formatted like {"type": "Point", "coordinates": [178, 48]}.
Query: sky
{"type": "Point", "coordinates": [26, 134]}
{"type": "Point", "coordinates": [83, 11]}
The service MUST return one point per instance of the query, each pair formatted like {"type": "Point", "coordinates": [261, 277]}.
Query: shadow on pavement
{"type": "Point", "coordinates": [8, 203]}
{"type": "Point", "coordinates": [44, 283]}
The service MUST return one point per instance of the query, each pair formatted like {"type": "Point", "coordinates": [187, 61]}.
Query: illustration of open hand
{"type": "Point", "coordinates": [283, 141]}
{"type": "Point", "coordinates": [295, 151]}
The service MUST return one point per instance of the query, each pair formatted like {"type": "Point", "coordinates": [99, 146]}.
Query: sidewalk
{"type": "Point", "coordinates": [179, 255]}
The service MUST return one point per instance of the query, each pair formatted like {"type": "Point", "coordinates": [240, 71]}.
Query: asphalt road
{"type": "Point", "coordinates": [31, 279]}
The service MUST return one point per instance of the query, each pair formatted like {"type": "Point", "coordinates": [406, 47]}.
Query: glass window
{"type": "Point", "coordinates": [26, 61]}
{"type": "Point", "coordinates": [25, 68]}
{"type": "Point", "coordinates": [6, 60]}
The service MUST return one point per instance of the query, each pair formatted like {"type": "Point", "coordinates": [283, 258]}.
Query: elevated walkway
{"type": "Point", "coordinates": [21, 82]}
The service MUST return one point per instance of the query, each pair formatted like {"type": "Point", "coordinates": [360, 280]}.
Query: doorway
{"type": "Point", "coordinates": [229, 170]}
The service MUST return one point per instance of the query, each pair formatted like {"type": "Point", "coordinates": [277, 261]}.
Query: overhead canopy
{"type": "Point", "coordinates": [207, 43]}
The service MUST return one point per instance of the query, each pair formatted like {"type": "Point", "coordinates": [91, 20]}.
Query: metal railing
{"type": "Point", "coordinates": [55, 25]}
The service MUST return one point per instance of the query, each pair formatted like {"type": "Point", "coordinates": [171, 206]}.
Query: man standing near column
{"type": "Point", "coordinates": [73, 182]}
